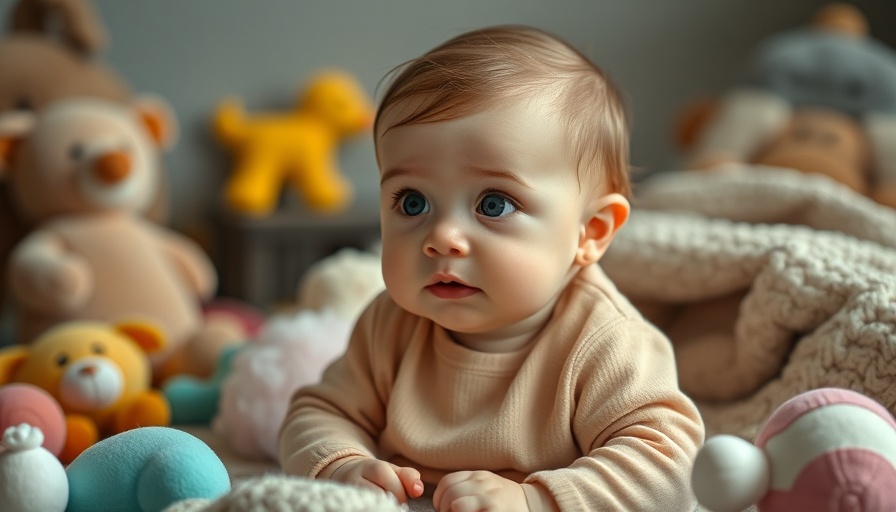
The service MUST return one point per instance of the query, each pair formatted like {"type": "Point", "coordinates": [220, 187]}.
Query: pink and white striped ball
{"type": "Point", "coordinates": [828, 449]}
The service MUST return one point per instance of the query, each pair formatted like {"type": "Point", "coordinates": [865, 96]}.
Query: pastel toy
{"type": "Point", "coordinates": [27, 403]}
{"type": "Point", "coordinates": [275, 493]}
{"type": "Point", "coordinates": [345, 281]}
{"type": "Point", "coordinates": [297, 147]}
{"type": "Point", "coordinates": [826, 449]}
{"type": "Point", "coordinates": [31, 478]}
{"type": "Point", "coordinates": [84, 170]}
{"type": "Point", "coordinates": [291, 351]}
{"type": "Point", "coordinates": [98, 373]}
{"type": "Point", "coordinates": [194, 401]}
{"type": "Point", "coordinates": [819, 99]}
{"type": "Point", "coordinates": [144, 470]}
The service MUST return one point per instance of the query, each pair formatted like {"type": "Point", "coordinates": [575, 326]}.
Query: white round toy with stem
{"type": "Point", "coordinates": [31, 478]}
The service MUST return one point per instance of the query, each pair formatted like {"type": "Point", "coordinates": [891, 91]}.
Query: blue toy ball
{"type": "Point", "coordinates": [144, 470]}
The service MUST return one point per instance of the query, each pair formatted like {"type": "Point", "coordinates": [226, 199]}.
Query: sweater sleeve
{"type": "Point", "coordinates": [344, 413]}
{"type": "Point", "coordinates": [638, 431]}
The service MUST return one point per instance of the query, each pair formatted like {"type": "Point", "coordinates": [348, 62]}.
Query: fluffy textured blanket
{"type": "Point", "coordinates": [769, 283]}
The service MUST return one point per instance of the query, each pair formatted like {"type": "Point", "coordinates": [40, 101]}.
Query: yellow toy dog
{"type": "Point", "coordinates": [100, 375]}
{"type": "Point", "coordinates": [297, 147]}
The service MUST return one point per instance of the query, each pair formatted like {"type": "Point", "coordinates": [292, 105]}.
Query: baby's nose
{"type": "Point", "coordinates": [446, 239]}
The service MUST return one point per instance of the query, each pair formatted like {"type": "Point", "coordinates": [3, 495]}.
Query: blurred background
{"type": "Point", "coordinates": [663, 54]}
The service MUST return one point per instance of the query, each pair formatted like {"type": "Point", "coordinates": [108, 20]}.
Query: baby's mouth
{"type": "Point", "coordinates": [451, 290]}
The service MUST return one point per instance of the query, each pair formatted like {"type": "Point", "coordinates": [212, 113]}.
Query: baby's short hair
{"type": "Point", "coordinates": [475, 70]}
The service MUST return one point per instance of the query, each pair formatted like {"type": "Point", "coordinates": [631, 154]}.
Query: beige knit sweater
{"type": "Point", "coordinates": [590, 409]}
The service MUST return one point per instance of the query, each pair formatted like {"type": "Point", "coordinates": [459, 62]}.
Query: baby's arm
{"type": "Point", "coordinates": [639, 432]}
{"type": "Point", "coordinates": [330, 428]}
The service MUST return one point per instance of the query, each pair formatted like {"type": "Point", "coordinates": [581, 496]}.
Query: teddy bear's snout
{"type": "Point", "coordinates": [112, 167]}
{"type": "Point", "coordinates": [91, 383]}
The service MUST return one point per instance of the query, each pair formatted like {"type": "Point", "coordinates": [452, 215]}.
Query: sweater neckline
{"type": "Point", "coordinates": [495, 363]}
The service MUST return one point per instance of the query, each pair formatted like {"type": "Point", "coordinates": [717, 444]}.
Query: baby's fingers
{"type": "Point", "coordinates": [410, 479]}
{"type": "Point", "coordinates": [383, 475]}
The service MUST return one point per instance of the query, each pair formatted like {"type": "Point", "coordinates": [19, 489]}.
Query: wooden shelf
{"type": "Point", "coordinates": [261, 260]}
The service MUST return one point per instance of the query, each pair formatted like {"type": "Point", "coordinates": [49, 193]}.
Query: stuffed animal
{"type": "Point", "coordinates": [345, 281]}
{"type": "Point", "coordinates": [195, 401]}
{"type": "Point", "coordinates": [98, 373]}
{"type": "Point", "coordinates": [27, 403]}
{"type": "Point", "coordinates": [84, 170]}
{"type": "Point", "coordinates": [292, 350]}
{"type": "Point", "coordinates": [826, 449]}
{"type": "Point", "coordinates": [48, 53]}
{"type": "Point", "coordinates": [273, 493]}
{"type": "Point", "coordinates": [145, 470]}
{"type": "Point", "coordinates": [821, 99]}
{"type": "Point", "coordinates": [296, 147]}
{"type": "Point", "coordinates": [31, 478]}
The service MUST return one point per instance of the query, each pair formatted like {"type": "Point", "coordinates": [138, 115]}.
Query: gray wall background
{"type": "Point", "coordinates": [662, 53]}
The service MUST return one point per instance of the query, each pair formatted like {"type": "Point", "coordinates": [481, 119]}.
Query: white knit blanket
{"type": "Point", "coordinates": [769, 283]}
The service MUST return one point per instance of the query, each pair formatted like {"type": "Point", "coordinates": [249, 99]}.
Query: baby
{"type": "Point", "coordinates": [501, 369]}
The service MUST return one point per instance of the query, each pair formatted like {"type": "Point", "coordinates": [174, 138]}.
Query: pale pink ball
{"type": "Point", "coordinates": [25, 403]}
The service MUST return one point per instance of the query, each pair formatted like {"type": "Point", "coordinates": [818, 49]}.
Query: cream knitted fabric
{"type": "Point", "coordinates": [276, 493]}
{"type": "Point", "coordinates": [769, 282]}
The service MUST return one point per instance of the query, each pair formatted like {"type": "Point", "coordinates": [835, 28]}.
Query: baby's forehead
{"type": "Point", "coordinates": [546, 105]}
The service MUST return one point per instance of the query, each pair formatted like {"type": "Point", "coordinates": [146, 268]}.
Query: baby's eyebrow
{"type": "Point", "coordinates": [394, 173]}
{"type": "Point", "coordinates": [505, 174]}
{"type": "Point", "coordinates": [502, 174]}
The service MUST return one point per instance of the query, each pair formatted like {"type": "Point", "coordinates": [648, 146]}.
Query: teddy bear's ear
{"type": "Point", "coordinates": [158, 118]}
{"type": "Point", "coordinates": [14, 126]}
{"type": "Point", "coordinates": [146, 335]}
{"type": "Point", "coordinates": [11, 358]}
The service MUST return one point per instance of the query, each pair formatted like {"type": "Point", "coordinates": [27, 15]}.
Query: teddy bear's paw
{"type": "Point", "coordinates": [66, 286]}
{"type": "Point", "coordinates": [149, 409]}
{"type": "Point", "coordinates": [81, 434]}
{"type": "Point", "coordinates": [22, 437]}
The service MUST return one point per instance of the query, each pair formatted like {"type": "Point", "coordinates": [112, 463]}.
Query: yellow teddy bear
{"type": "Point", "coordinates": [100, 375]}
{"type": "Point", "coordinates": [297, 147]}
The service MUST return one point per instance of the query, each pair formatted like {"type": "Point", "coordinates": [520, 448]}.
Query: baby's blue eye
{"type": "Point", "coordinates": [495, 205]}
{"type": "Point", "coordinates": [413, 204]}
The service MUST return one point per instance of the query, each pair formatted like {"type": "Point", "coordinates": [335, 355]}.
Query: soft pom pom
{"type": "Point", "coordinates": [21, 438]}
{"type": "Point", "coordinates": [291, 351]}
{"type": "Point", "coordinates": [345, 282]}
{"type": "Point", "coordinates": [31, 478]}
{"type": "Point", "coordinates": [729, 474]}
{"type": "Point", "coordinates": [272, 493]}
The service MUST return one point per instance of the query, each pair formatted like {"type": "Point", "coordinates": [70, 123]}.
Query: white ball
{"type": "Point", "coordinates": [729, 474]}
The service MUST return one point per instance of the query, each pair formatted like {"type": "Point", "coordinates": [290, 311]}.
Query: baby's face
{"type": "Point", "coordinates": [481, 218]}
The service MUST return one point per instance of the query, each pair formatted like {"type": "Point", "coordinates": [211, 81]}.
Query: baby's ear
{"type": "Point", "coordinates": [605, 216]}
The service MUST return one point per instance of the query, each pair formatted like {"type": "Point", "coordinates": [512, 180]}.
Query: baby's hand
{"type": "Point", "coordinates": [376, 474]}
{"type": "Point", "coordinates": [478, 491]}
